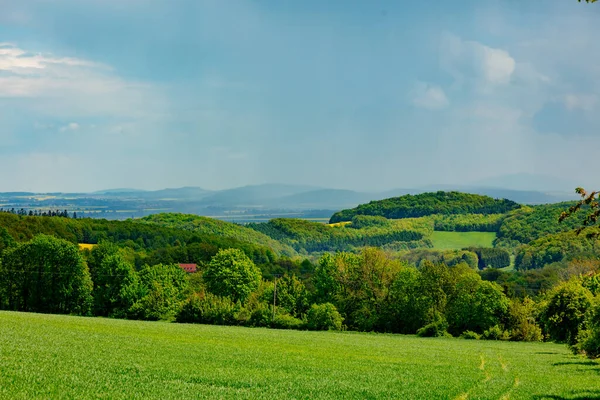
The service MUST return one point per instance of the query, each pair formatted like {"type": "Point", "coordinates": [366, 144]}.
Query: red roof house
{"type": "Point", "coordinates": [189, 268]}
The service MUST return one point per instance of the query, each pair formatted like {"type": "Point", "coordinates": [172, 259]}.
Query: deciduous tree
{"type": "Point", "coordinates": [46, 275]}
{"type": "Point", "coordinates": [232, 274]}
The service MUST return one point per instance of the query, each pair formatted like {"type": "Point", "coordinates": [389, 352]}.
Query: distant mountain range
{"type": "Point", "coordinates": [248, 202]}
{"type": "Point", "coordinates": [309, 197]}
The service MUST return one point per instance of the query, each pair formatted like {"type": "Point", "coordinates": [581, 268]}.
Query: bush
{"type": "Point", "coordinates": [565, 312]}
{"type": "Point", "coordinates": [588, 343]}
{"type": "Point", "coordinates": [434, 329]}
{"type": "Point", "coordinates": [495, 333]}
{"type": "Point", "coordinates": [286, 321]}
{"type": "Point", "coordinates": [207, 308]}
{"type": "Point", "coordinates": [588, 340]}
{"type": "Point", "coordinates": [261, 316]}
{"type": "Point", "coordinates": [323, 317]}
{"type": "Point", "coordinates": [522, 321]}
{"type": "Point", "coordinates": [470, 335]}
{"type": "Point", "coordinates": [163, 292]}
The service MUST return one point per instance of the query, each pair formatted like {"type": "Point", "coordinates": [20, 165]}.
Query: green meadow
{"type": "Point", "coordinates": [51, 356]}
{"type": "Point", "coordinates": [460, 240]}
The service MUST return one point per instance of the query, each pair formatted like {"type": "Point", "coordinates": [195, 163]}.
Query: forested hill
{"type": "Point", "coordinates": [212, 226]}
{"type": "Point", "coordinates": [153, 243]}
{"type": "Point", "coordinates": [414, 206]}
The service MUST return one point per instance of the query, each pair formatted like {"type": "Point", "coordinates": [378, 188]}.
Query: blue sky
{"type": "Point", "coordinates": [367, 95]}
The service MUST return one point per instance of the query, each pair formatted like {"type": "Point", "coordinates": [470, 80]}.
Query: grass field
{"type": "Point", "coordinates": [47, 356]}
{"type": "Point", "coordinates": [459, 240]}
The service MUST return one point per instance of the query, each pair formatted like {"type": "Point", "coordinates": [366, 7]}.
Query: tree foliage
{"type": "Point", "coordinates": [523, 315]}
{"type": "Point", "coordinates": [589, 202]}
{"type": "Point", "coordinates": [314, 237]}
{"type": "Point", "coordinates": [232, 274]}
{"type": "Point", "coordinates": [45, 275]}
{"type": "Point", "coordinates": [555, 248]}
{"type": "Point", "coordinates": [116, 287]}
{"type": "Point", "coordinates": [324, 317]}
{"type": "Point", "coordinates": [6, 240]}
{"type": "Point", "coordinates": [468, 222]}
{"type": "Point", "coordinates": [530, 223]}
{"type": "Point", "coordinates": [491, 257]}
{"type": "Point", "coordinates": [449, 257]}
{"type": "Point", "coordinates": [162, 294]}
{"type": "Point", "coordinates": [565, 311]}
{"type": "Point", "coordinates": [475, 305]}
{"type": "Point", "coordinates": [153, 243]}
{"type": "Point", "coordinates": [211, 226]}
{"type": "Point", "coordinates": [414, 206]}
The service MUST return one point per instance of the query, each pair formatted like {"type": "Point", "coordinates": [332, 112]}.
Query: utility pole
{"type": "Point", "coordinates": [274, 298]}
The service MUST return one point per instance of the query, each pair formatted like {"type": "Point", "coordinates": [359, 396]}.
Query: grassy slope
{"type": "Point", "coordinates": [46, 356]}
{"type": "Point", "coordinates": [460, 240]}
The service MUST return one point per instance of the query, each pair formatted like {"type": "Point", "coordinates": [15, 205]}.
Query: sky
{"type": "Point", "coordinates": [365, 95]}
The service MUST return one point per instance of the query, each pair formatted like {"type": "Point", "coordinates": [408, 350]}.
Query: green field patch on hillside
{"type": "Point", "coordinates": [461, 240]}
{"type": "Point", "coordinates": [50, 356]}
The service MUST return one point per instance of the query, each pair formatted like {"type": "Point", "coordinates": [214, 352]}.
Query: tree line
{"type": "Point", "coordinates": [308, 237]}
{"type": "Point", "coordinates": [365, 291]}
{"type": "Point", "coordinates": [39, 213]}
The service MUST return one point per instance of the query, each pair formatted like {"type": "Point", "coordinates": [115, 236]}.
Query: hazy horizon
{"type": "Point", "coordinates": [524, 182]}
{"type": "Point", "coordinates": [367, 96]}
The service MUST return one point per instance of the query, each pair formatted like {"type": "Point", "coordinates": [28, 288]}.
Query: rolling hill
{"type": "Point", "coordinates": [212, 226]}
{"type": "Point", "coordinates": [414, 206]}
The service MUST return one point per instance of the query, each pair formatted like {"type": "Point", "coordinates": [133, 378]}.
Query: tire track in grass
{"type": "Point", "coordinates": [504, 384]}
{"type": "Point", "coordinates": [515, 381]}
{"type": "Point", "coordinates": [487, 377]}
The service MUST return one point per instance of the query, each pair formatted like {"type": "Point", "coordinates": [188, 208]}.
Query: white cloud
{"type": "Point", "coordinates": [496, 64]}
{"type": "Point", "coordinates": [429, 96]}
{"type": "Point", "coordinates": [68, 87]}
{"type": "Point", "coordinates": [586, 102]}
{"type": "Point", "coordinates": [18, 61]}
{"type": "Point", "coordinates": [73, 126]}
{"type": "Point", "coordinates": [467, 60]}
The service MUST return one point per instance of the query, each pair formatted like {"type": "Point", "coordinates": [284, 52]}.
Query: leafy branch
{"type": "Point", "coordinates": [589, 201]}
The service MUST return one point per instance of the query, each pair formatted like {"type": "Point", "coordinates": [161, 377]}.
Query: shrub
{"type": "Point", "coordinates": [588, 342]}
{"type": "Point", "coordinates": [323, 317]}
{"type": "Point", "coordinates": [522, 321]}
{"type": "Point", "coordinates": [470, 335]}
{"type": "Point", "coordinates": [434, 329]}
{"type": "Point", "coordinates": [495, 333]}
{"type": "Point", "coordinates": [565, 311]}
{"type": "Point", "coordinates": [163, 292]}
{"type": "Point", "coordinates": [262, 315]}
{"type": "Point", "coordinates": [207, 308]}
{"type": "Point", "coordinates": [286, 321]}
